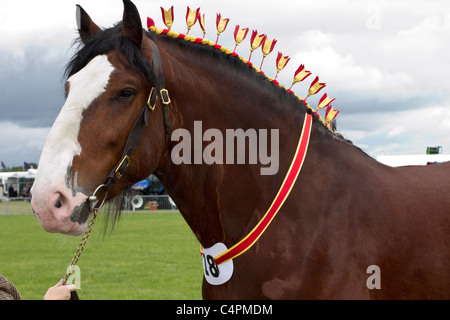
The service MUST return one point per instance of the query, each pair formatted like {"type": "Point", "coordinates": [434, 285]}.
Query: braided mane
{"type": "Point", "coordinates": [256, 41]}
{"type": "Point", "coordinates": [287, 93]}
{"type": "Point", "coordinates": [224, 50]}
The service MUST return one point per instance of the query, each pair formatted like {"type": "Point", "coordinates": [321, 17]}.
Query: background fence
{"type": "Point", "coordinates": [15, 206]}
{"type": "Point", "coordinates": [9, 206]}
{"type": "Point", "coordinates": [152, 203]}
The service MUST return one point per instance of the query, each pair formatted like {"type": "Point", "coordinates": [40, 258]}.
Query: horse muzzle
{"type": "Point", "coordinates": [59, 212]}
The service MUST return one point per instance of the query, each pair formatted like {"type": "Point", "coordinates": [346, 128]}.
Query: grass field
{"type": "Point", "coordinates": [15, 207]}
{"type": "Point", "coordinates": [148, 256]}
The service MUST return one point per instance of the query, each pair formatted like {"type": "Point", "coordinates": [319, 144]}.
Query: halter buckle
{"type": "Point", "coordinates": [165, 96]}
{"type": "Point", "coordinates": [119, 172]}
{"type": "Point", "coordinates": [149, 102]}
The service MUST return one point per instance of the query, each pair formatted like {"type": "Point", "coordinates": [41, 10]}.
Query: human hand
{"type": "Point", "coordinates": [60, 291]}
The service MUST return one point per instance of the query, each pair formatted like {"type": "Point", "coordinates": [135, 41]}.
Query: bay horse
{"type": "Point", "coordinates": [351, 228]}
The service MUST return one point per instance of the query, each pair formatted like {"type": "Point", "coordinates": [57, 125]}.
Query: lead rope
{"type": "Point", "coordinates": [93, 201]}
{"type": "Point", "coordinates": [80, 247]}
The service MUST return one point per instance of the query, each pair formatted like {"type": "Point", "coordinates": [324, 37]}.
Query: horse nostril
{"type": "Point", "coordinates": [58, 204]}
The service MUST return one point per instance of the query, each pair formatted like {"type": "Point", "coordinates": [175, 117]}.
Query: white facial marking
{"type": "Point", "coordinates": [62, 143]}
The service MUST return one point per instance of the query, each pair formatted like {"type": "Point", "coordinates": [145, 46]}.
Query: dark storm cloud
{"type": "Point", "coordinates": [366, 103]}
{"type": "Point", "coordinates": [31, 88]}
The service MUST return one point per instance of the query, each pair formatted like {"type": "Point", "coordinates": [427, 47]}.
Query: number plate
{"type": "Point", "coordinates": [216, 274]}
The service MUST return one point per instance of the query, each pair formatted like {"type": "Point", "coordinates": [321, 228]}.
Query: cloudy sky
{"type": "Point", "coordinates": [385, 62]}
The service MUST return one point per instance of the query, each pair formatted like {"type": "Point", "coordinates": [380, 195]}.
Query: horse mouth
{"type": "Point", "coordinates": [68, 227]}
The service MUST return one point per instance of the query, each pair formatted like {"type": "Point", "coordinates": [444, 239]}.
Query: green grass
{"type": "Point", "coordinates": [15, 207]}
{"type": "Point", "coordinates": [148, 256]}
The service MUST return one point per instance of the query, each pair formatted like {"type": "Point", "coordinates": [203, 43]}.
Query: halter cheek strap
{"type": "Point", "coordinates": [159, 91]}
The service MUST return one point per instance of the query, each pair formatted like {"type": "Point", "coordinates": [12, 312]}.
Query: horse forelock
{"type": "Point", "coordinates": [108, 40]}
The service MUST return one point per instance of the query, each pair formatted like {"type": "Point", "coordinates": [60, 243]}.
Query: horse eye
{"type": "Point", "coordinates": [126, 93]}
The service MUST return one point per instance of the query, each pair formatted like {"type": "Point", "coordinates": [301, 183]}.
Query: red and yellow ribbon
{"type": "Point", "coordinates": [330, 115]}
{"type": "Point", "coordinates": [167, 16]}
{"type": "Point", "coordinates": [201, 21]}
{"type": "Point", "coordinates": [267, 47]}
{"type": "Point", "coordinates": [324, 102]}
{"type": "Point", "coordinates": [315, 87]}
{"type": "Point", "coordinates": [255, 42]}
{"type": "Point", "coordinates": [281, 61]}
{"type": "Point", "coordinates": [239, 35]}
{"type": "Point", "coordinates": [300, 75]}
{"type": "Point", "coordinates": [221, 25]}
{"type": "Point", "coordinates": [150, 23]}
{"type": "Point", "coordinates": [280, 198]}
{"type": "Point", "coordinates": [191, 18]}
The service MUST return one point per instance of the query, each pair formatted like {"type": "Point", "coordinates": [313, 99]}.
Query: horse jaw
{"type": "Point", "coordinates": [57, 201]}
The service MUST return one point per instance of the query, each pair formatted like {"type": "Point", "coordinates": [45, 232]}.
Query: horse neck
{"type": "Point", "coordinates": [221, 202]}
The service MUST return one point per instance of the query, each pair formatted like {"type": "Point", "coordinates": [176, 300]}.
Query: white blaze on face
{"type": "Point", "coordinates": [61, 145]}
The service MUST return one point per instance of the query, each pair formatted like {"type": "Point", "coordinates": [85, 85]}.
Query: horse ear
{"type": "Point", "coordinates": [131, 24]}
{"type": "Point", "coordinates": [86, 27]}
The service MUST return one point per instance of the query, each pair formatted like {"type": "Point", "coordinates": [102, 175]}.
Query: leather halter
{"type": "Point", "coordinates": [137, 131]}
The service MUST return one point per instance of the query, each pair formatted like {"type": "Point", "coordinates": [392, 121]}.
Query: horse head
{"type": "Point", "coordinates": [111, 122]}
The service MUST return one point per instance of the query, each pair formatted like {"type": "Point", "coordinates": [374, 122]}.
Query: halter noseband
{"type": "Point", "coordinates": [137, 131]}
